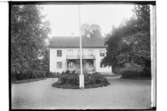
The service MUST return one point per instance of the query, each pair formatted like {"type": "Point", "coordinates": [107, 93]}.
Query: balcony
{"type": "Point", "coordinates": [84, 56]}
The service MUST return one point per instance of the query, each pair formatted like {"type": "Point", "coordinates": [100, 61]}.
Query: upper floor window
{"type": "Point", "coordinates": [102, 53]}
{"type": "Point", "coordinates": [59, 53]}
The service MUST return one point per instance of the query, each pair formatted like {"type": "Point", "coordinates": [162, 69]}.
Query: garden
{"type": "Point", "coordinates": [70, 80]}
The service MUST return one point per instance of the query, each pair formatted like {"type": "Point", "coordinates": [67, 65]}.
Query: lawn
{"type": "Point", "coordinates": [120, 94]}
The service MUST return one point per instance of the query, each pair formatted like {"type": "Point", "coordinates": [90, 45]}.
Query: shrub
{"type": "Point", "coordinates": [52, 74]}
{"type": "Point", "coordinates": [132, 70]}
{"type": "Point", "coordinates": [136, 75]}
{"type": "Point", "coordinates": [34, 74]}
{"type": "Point", "coordinates": [71, 80]}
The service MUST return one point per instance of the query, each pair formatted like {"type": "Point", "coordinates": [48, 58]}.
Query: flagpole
{"type": "Point", "coordinates": [81, 76]}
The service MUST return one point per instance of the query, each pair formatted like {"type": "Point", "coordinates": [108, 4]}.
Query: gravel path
{"type": "Point", "coordinates": [121, 94]}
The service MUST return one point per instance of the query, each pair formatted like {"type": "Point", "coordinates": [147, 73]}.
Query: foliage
{"type": "Point", "coordinates": [32, 75]}
{"type": "Point", "coordinates": [29, 75]}
{"type": "Point", "coordinates": [135, 74]}
{"type": "Point", "coordinates": [95, 79]}
{"type": "Point", "coordinates": [143, 15]}
{"type": "Point", "coordinates": [130, 43]}
{"type": "Point", "coordinates": [28, 32]}
{"type": "Point", "coordinates": [92, 30]}
{"type": "Point", "coordinates": [117, 49]}
{"type": "Point", "coordinates": [71, 80]}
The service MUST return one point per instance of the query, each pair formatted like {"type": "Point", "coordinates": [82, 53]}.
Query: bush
{"type": "Point", "coordinates": [136, 75]}
{"type": "Point", "coordinates": [132, 70]}
{"type": "Point", "coordinates": [52, 75]}
{"type": "Point", "coordinates": [34, 74]}
{"type": "Point", "coordinates": [71, 80]}
{"type": "Point", "coordinates": [29, 75]}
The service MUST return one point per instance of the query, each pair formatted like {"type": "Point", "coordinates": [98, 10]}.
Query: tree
{"type": "Point", "coordinates": [143, 15]}
{"type": "Point", "coordinates": [130, 42]}
{"type": "Point", "coordinates": [92, 30]}
{"type": "Point", "coordinates": [118, 43]}
{"type": "Point", "coordinates": [27, 39]}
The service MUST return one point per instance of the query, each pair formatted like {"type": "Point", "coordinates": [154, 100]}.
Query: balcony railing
{"type": "Point", "coordinates": [84, 56]}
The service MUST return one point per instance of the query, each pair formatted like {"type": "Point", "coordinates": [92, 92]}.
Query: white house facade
{"type": "Point", "coordinates": [65, 55]}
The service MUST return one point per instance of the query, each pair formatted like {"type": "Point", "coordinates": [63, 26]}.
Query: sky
{"type": "Point", "coordinates": [64, 19]}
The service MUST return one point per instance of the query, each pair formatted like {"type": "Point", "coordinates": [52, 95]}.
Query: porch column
{"type": "Point", "coordinates": [94, 64]}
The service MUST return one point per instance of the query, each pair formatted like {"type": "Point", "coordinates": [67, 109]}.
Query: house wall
{"type": "Point", "coordinates": [98, 61]}
{"type": "Point", "coordinates": [74, 53]}
{"type": "Point", "coordinates": [54, 59]}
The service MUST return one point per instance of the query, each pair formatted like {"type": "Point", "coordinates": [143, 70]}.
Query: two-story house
{"type": "Point", "coordinates": [65, 54]}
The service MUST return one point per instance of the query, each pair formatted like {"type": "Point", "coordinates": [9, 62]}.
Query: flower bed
{"type": "Point", "coordinates": [71, 81]}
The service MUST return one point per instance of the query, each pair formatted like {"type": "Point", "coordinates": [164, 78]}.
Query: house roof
{"type": "Point", "coordinates": [73, 42]}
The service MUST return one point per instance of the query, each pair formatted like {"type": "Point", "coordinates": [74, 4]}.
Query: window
{"type": "Point", "coordinates": [59, 65]}
{"type": "Point", "coordinates": [102, 53]}
{"type": "Point", "coordinates": [59, 53]}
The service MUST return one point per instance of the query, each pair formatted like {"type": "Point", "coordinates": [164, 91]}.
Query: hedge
{"type": "Point", "coordinates": [32, 75]}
